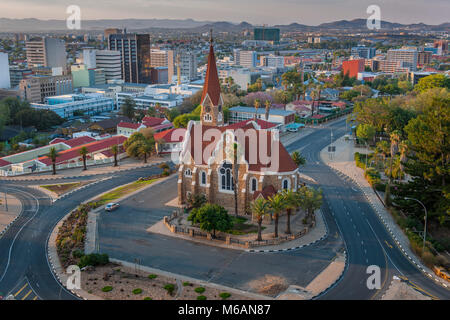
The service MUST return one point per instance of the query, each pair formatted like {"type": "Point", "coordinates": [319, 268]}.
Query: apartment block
{"type": "Point", "coordinates": [47, 52]}
{"type": "Point", "coordinates": [36, 88]}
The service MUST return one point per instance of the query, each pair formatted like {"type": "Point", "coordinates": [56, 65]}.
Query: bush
{"type": "Point", "coordinates": [78, 254]}
{"type": "Point", "coordinates": [186, 284]}
{"type": "Point", "coordinates": [107, 289]}
{"type": "Point", "coordinates": [199, 290]}
{"type": "Point", "coordinates": [137, 291]}
{"type": "Point", "coordinates": [152, 276]}
{"type": "Point", "coordinates": [380, 187]}
{"type": "Point", "coordinates": [201, 298]}
{"type": "Point", "coordinates": [169, 288]}
{"type": "Point", "coordinates": [359, 160]}
{"type": "Point", "coordinates": [225, 295]}
{"type": "Point", "coordinates": [93, 259]}
{"type": "Point", "coordinates": [372, 176]}
{"type": "Point", "coordinates": [148, 298]}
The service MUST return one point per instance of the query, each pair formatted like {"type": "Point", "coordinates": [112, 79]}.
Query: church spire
{"type": "Point", "coordinates": [211, 97]}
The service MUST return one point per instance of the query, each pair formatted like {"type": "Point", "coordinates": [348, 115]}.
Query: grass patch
{"type": "Point", "coordinates": [199, 290]}
{"type": "Point", "coordinates": [122, 191]}
{"type": "Point", "coordinates": [148, 298]}
{"type": "Point", "coordinates": [107, 289]}
{"type": "Point", "coordinates": [225, 295]}
{"type": "Point", "coordinates": [152, 276]}
{"type": "Point", "coordinates": [60, 189]}
{"type": "Point", "coordinates": [137, 291]}
{"type": "Point", "coordinates": [186, 284]}
{"type": "Point", "coordinates": [201, 298]}
{"type": "Point", "coordinates": [169, 288]}
{"type": "Point", "coordinates": [241, 227]}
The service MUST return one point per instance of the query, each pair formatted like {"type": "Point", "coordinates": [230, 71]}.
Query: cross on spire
{"type": "Point", "coordinates": [211, 40]}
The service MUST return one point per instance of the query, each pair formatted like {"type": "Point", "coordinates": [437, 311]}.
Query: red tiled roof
{"type": "Point", "coordinates": [79, 141]}
{"type": "Point", "coordinates": [152, 121]}
{"type": "Point", "coordinates": [57, 140]}
{"type": "Point", "coordinates": [74, 153]}
{"type": "Point", "coordinates": [318, 116]}
{"type": "Point", "coordinates": [129, 125]}
{"type": "Point", "coordinates": [212, 84]}
{"type": "Point", "coordinates": [262, 123]}
{"type": "Point", "coordinates": [108, 153]}
{"type": "Point", "coordinates": [284, 161]}
{"type": "Point", "coordinates": [4, 163]}
{"type": "Point", "coordinates": [266, 192]}
{"type": "Point", "coordinates": [168, 136]}
{"type": "Point", "coordinates": [162, 126]}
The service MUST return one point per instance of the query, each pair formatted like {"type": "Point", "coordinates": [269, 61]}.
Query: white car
{"type": "Point", "coordinates": [111, 206]}
{"type": "Point", "coordinates": [292, 129]}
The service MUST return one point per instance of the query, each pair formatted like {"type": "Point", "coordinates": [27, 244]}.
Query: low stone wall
{"type": "Point", "coordinates": [227, 239]}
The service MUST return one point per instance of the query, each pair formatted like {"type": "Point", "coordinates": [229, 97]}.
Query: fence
{"type": "Point", "coordinates": [227, 239]}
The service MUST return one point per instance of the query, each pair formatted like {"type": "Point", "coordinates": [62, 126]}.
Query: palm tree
{"type": "Point", "coordinates": [310, 200]}
{"type": "Point", "coordinates": [256, 104]}
{"type": "Point", "coordinates": [115, 152]}
{"type": "Point", "coordinates": [268, 104]}
{"type": "Point", "coordinates": [53, 154]}
{"type": "Point", "coordinates": [277, 205]}
{"type": "Point", "coordinates": [84, 152]}
{"type": "Point", "coordinates": [291, 203]}
{"type": "Point", "coordinates": [144, 149]}
{"type": "Point", "coordinates": [260, 208]}
{"type": "Point", "coordinates": [298, 158]}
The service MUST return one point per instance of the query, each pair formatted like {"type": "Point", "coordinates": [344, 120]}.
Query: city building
{"type": "Point", "coordinates": [135, 55]}
{"type": "Point", "coordinates": [424, 58]}
{"type": "Point", "coordinates": [207, 167]}
{"type": "Point", "coordinates": [5, 80]}
{"type": "Point", "coordinates": [16, 74]}
{"type": "Point", "coordinates": [163, 58]}
{"type": "Point", "coordinates": [159, 75]}
{"type": "Point", "coordinates": [84, 77]}
{"type": "Point", "coordinates": [407, 57]}
{"type": "Point", "coordinates": [388, 66]}
{"type": "Point", "coordinates": [247, 59]}
{"type": "Point", "coordinates": [441, 46]}
{"type": "Point", "coordinates": [36, 88]}
{"type": "Point", "coordinates": [353, 67]}
{"type": "Point", "coordinates": [277, 116]}
{"type": "Point", "coordinates": [110, 62]}
{"type": "Point", "coordinates": [46, 52]}
{"type": "Point", "coordinates": [272, 61]}
{"type": "Point", "coordinates": [363, 52]}
{"type": "Point", "coordinates": [416, 76]}
{"type": "Point", "coordinates": [188, 65]}
{"type": "Point", "coordinates": [144, 101]}
{"type": "Point", "coordinates": [267, 34]}
{"type": "Point", "coordinates": [72, 105]}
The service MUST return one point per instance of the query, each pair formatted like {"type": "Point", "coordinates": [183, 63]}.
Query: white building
{"type": "Point", "coordinates": [272, 61]}
{"type": "Point", "coordinates": [108, 60]}
{"type": "Point", "coordinates": [407, 57]}
{"type": "Point", "coordinates": [247, 59]}
{"type": "Point", "coordinates": [5, 81]}
{"type": "Point", "coordinates": [188, 65]}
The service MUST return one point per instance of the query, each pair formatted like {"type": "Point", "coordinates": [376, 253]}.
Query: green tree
{"type": "Point", "coordinates": [53, 155]}
{"type": "Point", "coordinates": [310, 200]}
{"type": "Point", "coordinates": [433, 81]}
{"type": "Point", "coordinates": [277, 206]}
{"type": "Point", "coordinates": [128, 108]}
{"type": "Point", "coordinates": [298, 158]}
{"type": "Point", "coordinates": [211, 217]}
{"type": "Point", "coordinates": [365, 132]}
{"type": "Point", "coordinates": [260, 208]}
{"type": "Point", "coordinates": [84, 152]}
{"type": "Point", "coordinates": [291, 203]}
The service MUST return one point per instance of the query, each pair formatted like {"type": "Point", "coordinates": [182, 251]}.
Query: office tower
{"type": "Point", "coordinates": [441, 46]}
{"type": "Point", "coordinates": [163, 58]}
{"type": "Point", "coordinates": [82, 76]}
{"type": "Point", "coordinates": [363, 52]}
{"type": "Point", "coordinates": [16, 74]}
{"type": "Point", "coordinates": [267, 34]}
{"type": "Point", "coordinates": [135, 55]}
{"type": "Point", "coordinates": [5, 81]}
{"type": "Point", "coordinates": [424, 57]}
{"type": "Point", "coordinates": [89, 58]}
{"type": "Point", "coordinates": [188, 65]}
{"type": "Point", "coordinates": [245, 58]}
{"type": "Point", "coordinates": [272, 61]}
{"type": "Point", "coordinates": [46, 52]}
{"type": "Point", "coordinates": [407, 57]}
{"type": "Point", "coordinates": [159, 75]}
{"type": "Point", "coordinates": [353, 67]}
{"type": "Point", "coordinates": [110, 62]}
{"type": "Point", "coordinates": [37, 88]}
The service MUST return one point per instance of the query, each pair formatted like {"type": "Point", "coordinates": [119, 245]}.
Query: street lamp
{"type": "Point", "coordinates": [426, 217]}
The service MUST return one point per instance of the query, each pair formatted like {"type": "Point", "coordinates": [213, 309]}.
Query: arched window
{"type": "Point", "coordinates": [203, 178]}
{"type": "Point", "coordinates": [253, 185]}
{"type": "Point", "coordinates": [226, 177]}
{"type": "Point", "coordinates": [285, 184]}
{"type": "Point", "coordinates": [207, 117]}
{"type": "Point", "coordinates": [188, 172]}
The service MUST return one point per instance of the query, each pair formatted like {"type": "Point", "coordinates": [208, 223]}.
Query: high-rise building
{"type": "Point", "coordinates": [37, 88]}
{"type": "Point", "coordinates": [245, 59]}
{"type": "Point", "coordinates": [363, 52]}
{"type": "Point", "coordinates": [188, 65]}
{"type": "Point", "coordinates": [89, 58]}
{"type": "Point", "coordinates": [424, 57]}
{"type": "Point", "coordinates": [272, 61]}
{"type": "Point", "coordinates": [441, 46]}
{"type": "Point", "coordinates": [407, 57]}
{"type": "Point", "coordinates": [135, 56]}
{"type": "Point", "coordinates": [353, 67]}
{"type": "Point", "coordinates": [267, 34]}
{"type": "Point", "coordinates": [108, 60]}
{"type": "Point", "coordinates": [82, 76]}
{"type": "Point", "coordinates": [5, 80]}
{"type": "Point", "coordinates": [16, 74]}
{"type": "Point", "coordinates": [46, 52]}
{"type": "Point", "coordinates": [163, 58]}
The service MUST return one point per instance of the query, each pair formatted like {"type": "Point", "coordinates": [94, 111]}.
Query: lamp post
{"type": "Point", "coordinates": [426, 218]}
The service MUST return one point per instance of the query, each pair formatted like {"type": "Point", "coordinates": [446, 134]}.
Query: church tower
{"type": "Point", "coordinates": [212, 102]}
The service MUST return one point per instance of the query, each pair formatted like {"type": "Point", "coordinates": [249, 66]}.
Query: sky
{"type": "Point", "coordinates": [310, 12]}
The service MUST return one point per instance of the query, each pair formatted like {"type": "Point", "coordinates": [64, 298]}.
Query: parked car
{"type": "Point", "coordinates": [292, 129]}
{"type": "Point", "coordinates": [111, 206]}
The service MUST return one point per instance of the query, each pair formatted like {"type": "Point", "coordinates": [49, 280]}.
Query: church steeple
{"type": "Point", "coordinates": [212, 113]}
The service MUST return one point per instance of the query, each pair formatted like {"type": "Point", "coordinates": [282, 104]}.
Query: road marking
{"type": "Point", "coordinates": [388, 244]}
{"type": "Point", "coordinates": [35, 298]}
{"type": "Point", "coordinates": [29, 292]}
{"type": "Point", "coordinates": [18, 292]}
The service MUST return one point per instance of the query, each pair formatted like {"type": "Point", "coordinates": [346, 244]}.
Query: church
{"type": "Point", "coordinates": [215, 154]}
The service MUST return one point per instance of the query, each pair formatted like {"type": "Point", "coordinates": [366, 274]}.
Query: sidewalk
{"type": "Point", "coordinates": [14, 210]}
{"type": "Point", "coordinates": [343, 162]}
{"type": "Point", "coordinates": [124, 165]}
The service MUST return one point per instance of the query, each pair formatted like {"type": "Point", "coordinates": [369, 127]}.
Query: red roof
{"type": "Point", "coordinates": [266, 192]}
{"type": "Point", "coordinates": [262, 123]}
{"type": "Point", "coordinates": [79, 141]}
{"type": "Point", "coordinates": [152, 121]}
{"type": "Point", "coordinates": [108, 153]}
{"type": "Point", "coordinates": [168, 136]}
{"type": "Point", "coordinates": [129, 125]}
{"type": "Point", "coordinates": [318, 116]}
{"type": "Point", "coordinates": [57, 140]}
{"type": "Point", "coordinates": [284, 161]}
{"type": "Point", "coordinates": [4, 163]}
{"type": "Point", "coordinates": [74, 153]}
{"type": "Point", "coordinates": [212, 84]}
{"type": "Point", "coordinates": [162, 126]}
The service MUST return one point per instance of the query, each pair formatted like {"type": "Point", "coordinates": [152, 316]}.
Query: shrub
{"type": "Point", "coordinates": [169, 288]}
{"type": "Point", "coordinates": [201, 298]}
{"type": "Point", "coordinates": [152, 276]}
{"type": "Point", "coordinates": [199, 290]}
{"type": "Point", "coordinates": [93, 259]}
{"type": "Point", "coordinates": [107, 289]}
{"type": "Point", "coordinates": [372, 176]}
{"type": "Point", "coordinates": [225, 295]}
{"type": "Point", "coordinates": [186, 284]}
{"type": "Point", "coordinates": [78, 254]}
{"type": "Point", "coordinates": [147, 298]}
{"type": "Point", "coordinates": [137, 291]}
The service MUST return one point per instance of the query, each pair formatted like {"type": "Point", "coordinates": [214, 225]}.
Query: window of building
{"type": "Point", "coordinates": [203, 178]}
{"type": "Point", "coordinates": [188, 172]}
{"type": "Point", "coordinates": [285, 184]}
{"type": "Point", "coordinates": [226, 177]}
{"type": "Point", "coordinates": [253, 184]}
{"type": "Point", "coordinates": [207, 117]}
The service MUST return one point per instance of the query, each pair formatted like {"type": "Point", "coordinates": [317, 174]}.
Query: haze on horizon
{"type": "Point", "coordinates": [310, 12]}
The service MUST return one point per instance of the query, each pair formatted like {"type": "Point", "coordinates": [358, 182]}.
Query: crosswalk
{"type": "Point", "coordinates": [24, 291]}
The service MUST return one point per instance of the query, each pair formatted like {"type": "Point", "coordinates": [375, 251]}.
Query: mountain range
{"type": "Point", "coordinates": [37, 25]}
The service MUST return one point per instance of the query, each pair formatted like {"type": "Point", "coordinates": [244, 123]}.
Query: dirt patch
{"type": "Point", "coordinates": [115, 282]}
{"type": "Point", "coordinates": [60, 189]}
{"type": "Point", "coordinates": [269, 285]}
{"type": "Point", "coordinates": [401, 291]}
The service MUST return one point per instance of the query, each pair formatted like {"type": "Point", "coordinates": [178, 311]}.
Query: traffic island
{"type": "Point", "coordinates": [10, 210]}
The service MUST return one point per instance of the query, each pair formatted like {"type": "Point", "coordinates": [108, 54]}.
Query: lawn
{"type": "Point", "coordinates": [242, 227]}
{"type": "Point", "coordinates": [122, 191]}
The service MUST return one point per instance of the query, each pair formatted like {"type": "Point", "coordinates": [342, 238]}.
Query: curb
{"type": "Point", "coordinates": [14, 220]}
